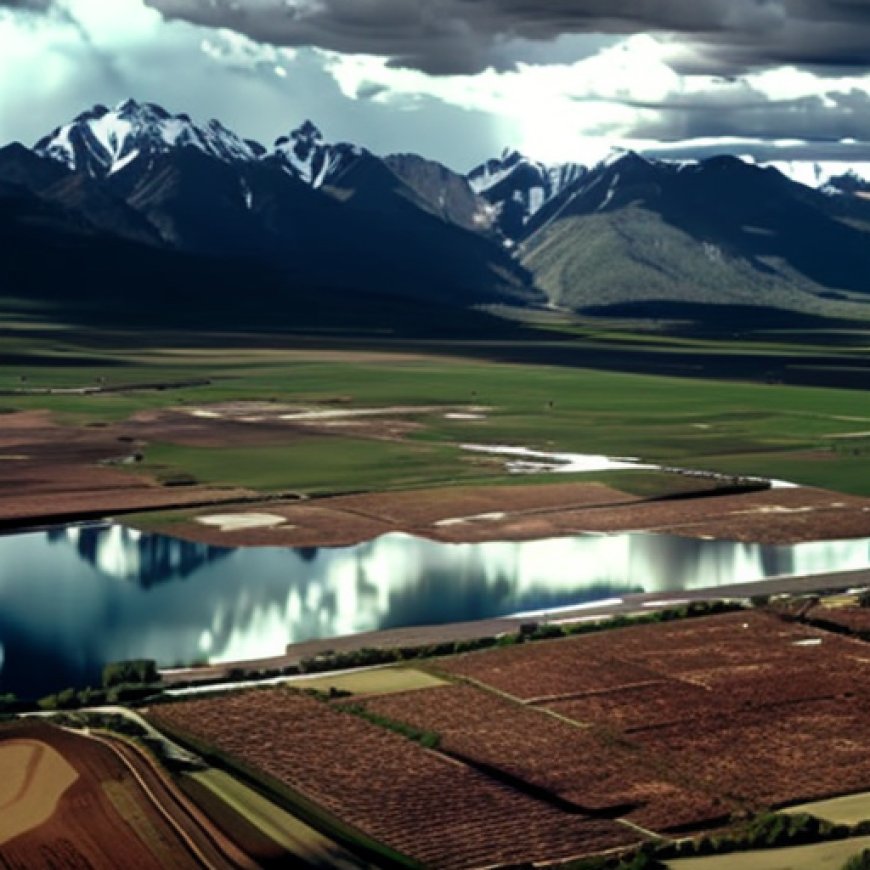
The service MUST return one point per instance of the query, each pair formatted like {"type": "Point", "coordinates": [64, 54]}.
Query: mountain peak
{"type": "Point", "coordinates": [101, 141]}
{"type": "Point", "coordinates": [308, 131]}
{"type": "Point", "coordinates": [131, 109]}
{"type": "Point", "coordinates": [307, 157]}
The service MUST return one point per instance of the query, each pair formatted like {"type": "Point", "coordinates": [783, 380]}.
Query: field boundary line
{"type": "Point", "coordinates": [193, 847]}
{"type": "Point", "coordinates": [641, 830]}
{"type": "Point", "coordinates": [520, 702]}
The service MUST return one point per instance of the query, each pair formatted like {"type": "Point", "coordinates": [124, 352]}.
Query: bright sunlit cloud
{"type": "Point", "coordinates": [570, 96]}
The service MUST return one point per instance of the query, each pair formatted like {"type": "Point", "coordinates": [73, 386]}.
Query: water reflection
{"type": "Point", "coordinates": [74, 599]}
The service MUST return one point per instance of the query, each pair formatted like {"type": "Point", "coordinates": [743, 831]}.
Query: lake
{"type": "Point", "coordinates": [75, 598]}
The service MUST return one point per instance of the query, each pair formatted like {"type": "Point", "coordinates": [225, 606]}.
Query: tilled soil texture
{"type": "Point", "coordinates": [54, 473]}
{"type": "Point", "coordinates": [424, 805]}
{"type": "Point", "coordinates": [759, 711]}
{"type": "Point", "coordinates": [851, 620]}
{"type": "Point", "coordinates": [51, 473]}
{"type": "Point", "coordinates": [102, 821]}
{"type": "Point", "coordinates": [532, 512]}
{"type": "Point", "coordinates": [566, 761]}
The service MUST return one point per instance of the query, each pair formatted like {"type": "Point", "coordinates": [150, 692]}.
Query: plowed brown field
{"type": "Point", "coordinates": [584, 767]}
{"type": "Point", "coordinates": [419, 803]}
{"type": "Point", "coordinates": [556, 748]}
{"type": "Point", "coordinates": [851, 618]}
{"type": "Point", "coordinates": [90, 823]}
{"type": "Point", "coordinates": [744, 705]}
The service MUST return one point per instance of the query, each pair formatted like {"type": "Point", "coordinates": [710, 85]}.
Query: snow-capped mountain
{"type": "Point", "coordinates": [850, 182]}
{"type": "Point", "coordinates": [819, 174]}
{"type": "Point", "coordinates": [101, 141]}
{"type": "Point", "coordinates": [518, 187]}
{"type": "Point", "coordinates": [305, 154]}
{"type": "Point", "coordinates": [627, 230]}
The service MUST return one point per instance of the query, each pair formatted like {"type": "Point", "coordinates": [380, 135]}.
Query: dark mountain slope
{"type": "Point", "coordinates": [67, 270]}
{"type": "Point", "coordinates": [446, 194]}
{"type": "Point", "coordinates": [719, 231]}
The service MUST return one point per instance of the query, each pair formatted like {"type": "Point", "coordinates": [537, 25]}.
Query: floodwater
{"type": "Point", "coordinates": [76, 598]}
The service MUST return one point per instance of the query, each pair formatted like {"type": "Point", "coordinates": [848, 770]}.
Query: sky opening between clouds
{"type": "Point", "coordinates": [457, 80]}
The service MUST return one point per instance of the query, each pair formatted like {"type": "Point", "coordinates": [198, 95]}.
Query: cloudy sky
{"type": "Point", "coordinates": [459, 80]}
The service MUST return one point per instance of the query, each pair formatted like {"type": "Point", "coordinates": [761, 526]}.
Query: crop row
{"type": "Point", "coordinates": [592, 770]}
{"type": "Point", "coordinates": [414, 801]}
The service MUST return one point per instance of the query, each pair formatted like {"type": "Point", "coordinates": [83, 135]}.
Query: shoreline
{"type": "Point", "coordinates": [479, 514]}
{"type": "Point", "coordinates": [635, 604]}
{"type": "Point", "coordinates": [526, 512]}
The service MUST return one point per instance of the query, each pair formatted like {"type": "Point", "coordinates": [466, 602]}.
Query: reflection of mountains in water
{"type": "Point", "coordinates": [129, 554]}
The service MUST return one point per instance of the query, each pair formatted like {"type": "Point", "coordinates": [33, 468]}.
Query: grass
{"type": "Point", "coordinates": [313, 465]}
{"type": "Point", "coordinates": [742, 428]}
{"type": "Point", "coordinates": [228, 801]}
{"type": "Point", "coordinates": [818, 856]}
{"type": "Point", "coordinates": [379, 681]}
{"type": "Point", "coordinates": [296, 804]}
{"type": "Point", "coordinates": [128, 805]}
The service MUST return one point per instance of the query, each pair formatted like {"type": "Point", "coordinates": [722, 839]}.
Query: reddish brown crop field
{"type": "Point", "coordinates": [419, 803]}
{"type": "Point", "coordinates": [757, 710]}
{"type": "Point", "coordinates": [555, 748]}
{"type": "Point", "coordinates": [590, 769]}
{"type": "Point", "coordinates": [774, 756]}
{"type": "Point", "coordinates": [851, 618]}
{"type": "Point", "coordinates": [631, 657]}
{"type": "Point", "coordinates": [544, 671]}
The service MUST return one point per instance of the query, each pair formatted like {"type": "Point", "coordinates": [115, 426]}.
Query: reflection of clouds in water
{"type": "Point", "coordinates": [182, 602]}
{"type": "Point", "coordinates": [129, 554]}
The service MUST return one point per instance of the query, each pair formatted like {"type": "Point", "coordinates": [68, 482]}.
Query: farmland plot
{"type": "Point", "coordinates": [588, 769]}
{"type": "Point", "coordinates": [744, 705]}
{"type": "Point", "coordinates": [416, 802]}
{"type": "Point", "coordinates": [82, 800]}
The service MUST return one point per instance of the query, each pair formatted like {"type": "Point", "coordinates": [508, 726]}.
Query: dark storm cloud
{"type": "Point", "coordinates": [830, 118]}
{"type": "Point", "coordinates": [27, 5]}
{"type": "Point", "coordinates": [460, 36]}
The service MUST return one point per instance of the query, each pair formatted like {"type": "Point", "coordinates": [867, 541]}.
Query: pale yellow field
{"type": "Point", "coordinates": [848, 810]}
{"type": "Point", "coordinates": [819, 856]}
{"type": "Point", "coordinates": [379, 681]}
{"type": "Point", "coordinates": [33, 778]}
{"type": "Point", "coordinates": [282, 828]}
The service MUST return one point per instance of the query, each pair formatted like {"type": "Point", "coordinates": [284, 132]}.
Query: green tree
{"type": "Point", "coordinates": [858, 862]}
{"type": "Point", "coordinates": [135, 672]}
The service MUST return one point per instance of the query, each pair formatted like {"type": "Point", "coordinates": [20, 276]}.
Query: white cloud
{"type": "Point", "coordinates": [235, 50]}
{"type": "Point", "coordinates": [630, 90]}
{"type": "Point", "coordinates": [564, 111]}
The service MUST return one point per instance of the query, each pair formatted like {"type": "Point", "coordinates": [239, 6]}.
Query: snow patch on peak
{"type": "Point", "coordinates": [493, 172]}
{"type": "Point", "coordinates": [821, 174]}
{"type": "Point", "coordinates": [522, 187]}
{"type": "Point", "coordinates": [307, 157]}
{"type": "Point", "coordinates": [102, 141]}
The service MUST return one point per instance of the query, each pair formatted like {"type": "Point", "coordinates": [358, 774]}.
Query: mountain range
{"type": "Point", "coordinates": [133, 211]}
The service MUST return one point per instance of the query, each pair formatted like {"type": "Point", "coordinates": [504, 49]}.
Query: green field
{"type": "Point", "coordinates": [818, 856]}
{"type": "Point", "coordinates": [763, 429]}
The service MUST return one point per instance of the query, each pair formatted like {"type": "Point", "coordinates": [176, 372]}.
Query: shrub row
{"type": "Point", "coordinates": [427, 739]}
{"type": "Point", "coordinates": [765, 831]}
